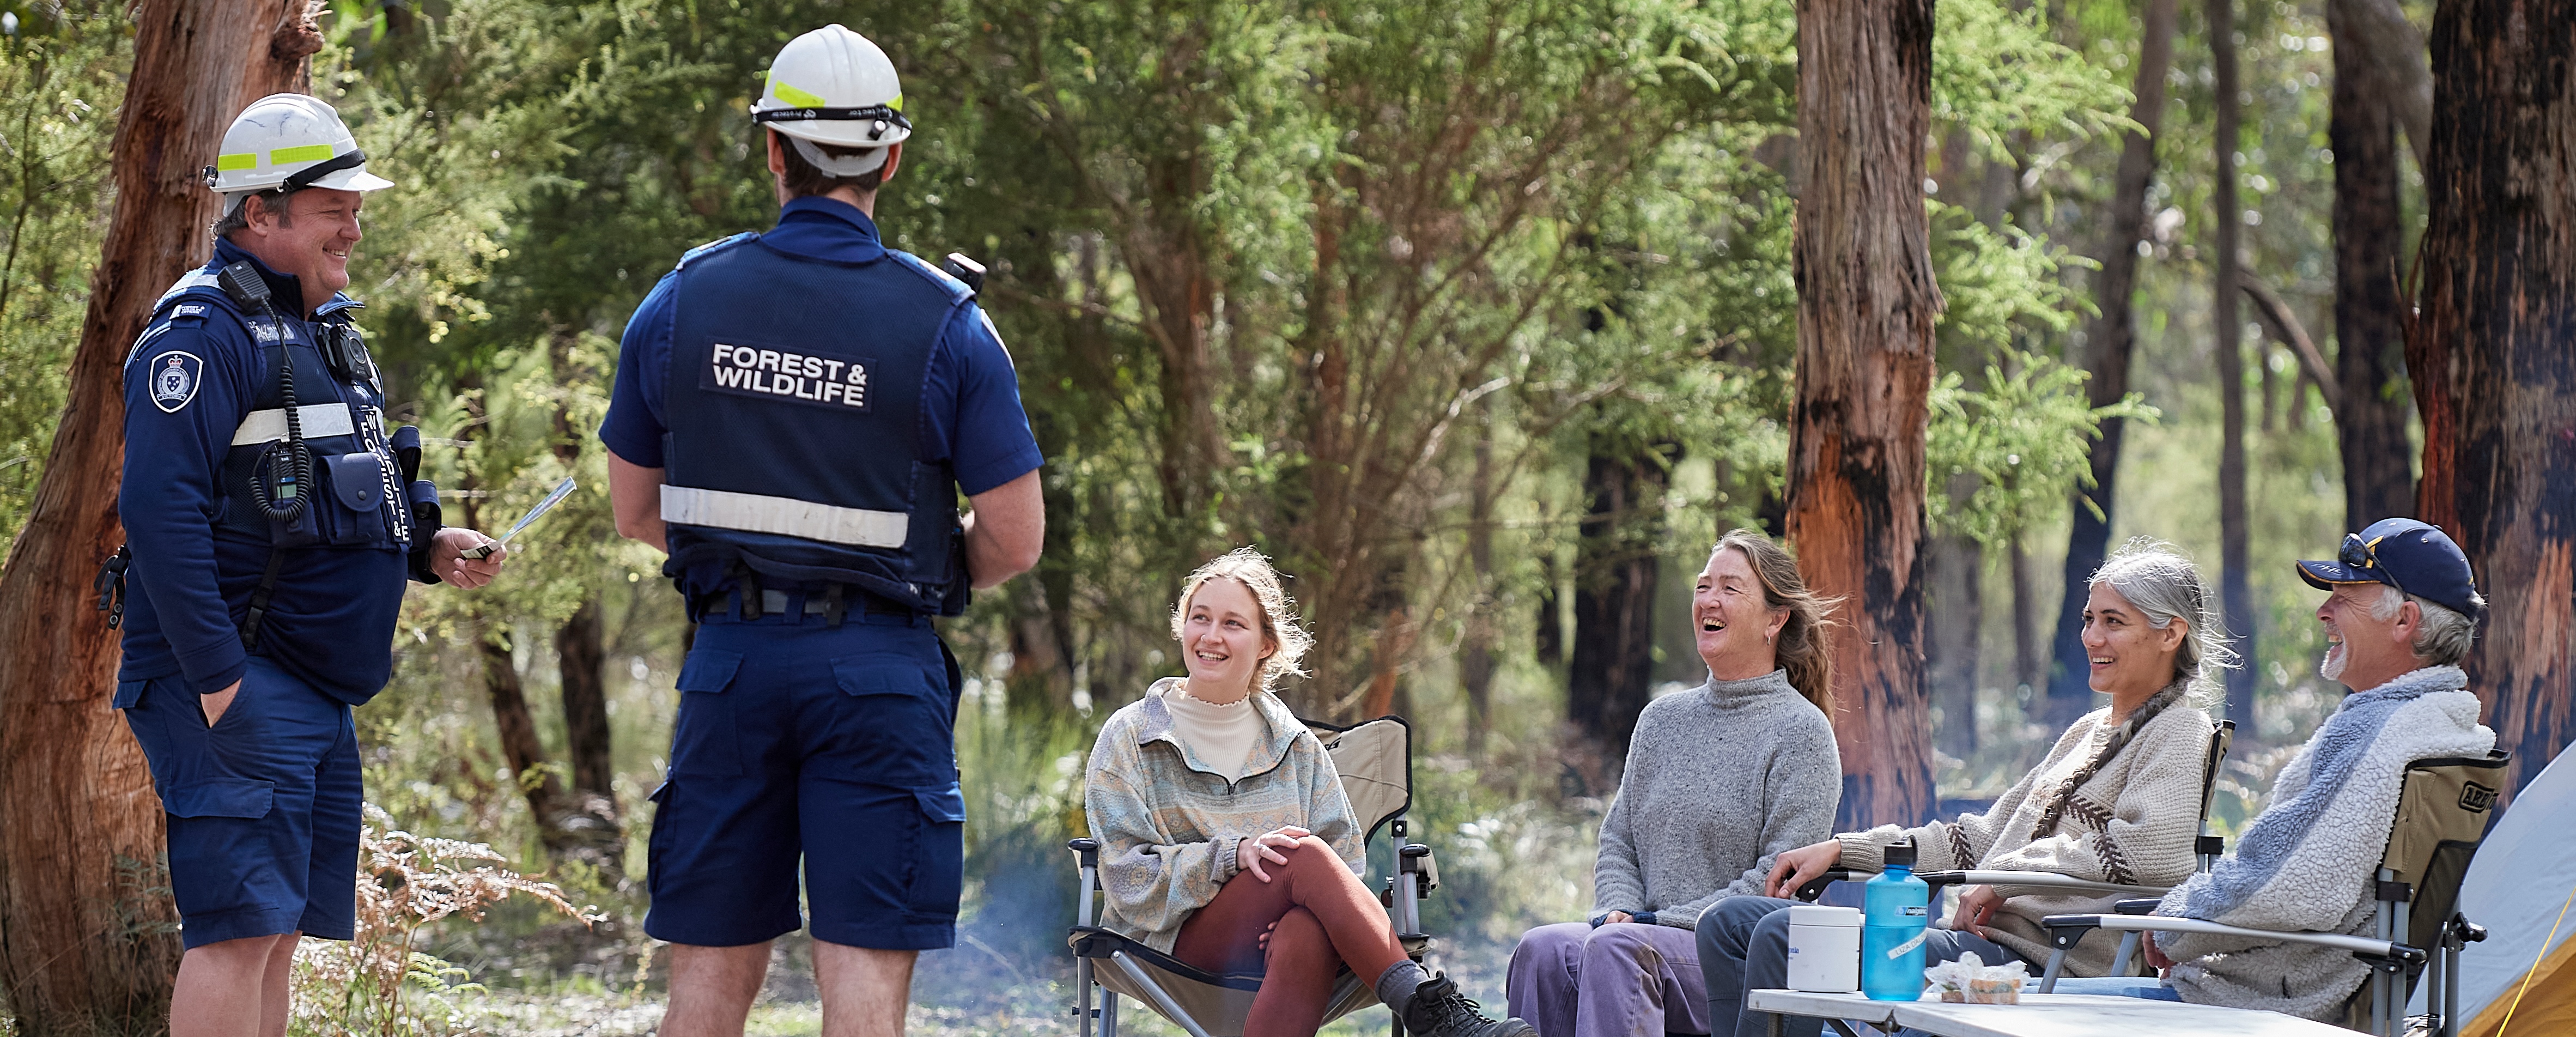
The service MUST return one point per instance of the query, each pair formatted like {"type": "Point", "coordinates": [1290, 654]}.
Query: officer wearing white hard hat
{"type": "Point", "coordinates": [271, 524]}
{"type": "Point", "coordinates": [795, 414]}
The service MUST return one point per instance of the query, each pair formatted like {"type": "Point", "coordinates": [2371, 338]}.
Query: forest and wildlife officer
{"type": "Point", "coordinates": [271, 523]}
{"type": "Point", "coordinates": [795, 413]}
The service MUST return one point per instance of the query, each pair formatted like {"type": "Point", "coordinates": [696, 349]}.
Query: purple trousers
{"type": "Point", "coordinates": [1620, 980]}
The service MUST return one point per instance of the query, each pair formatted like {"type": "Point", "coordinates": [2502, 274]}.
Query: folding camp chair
{"type": "Point", "coordinates": [2442, 814]}
{"type": "Point", "coordinates": [1376, 764]}
{"type": "Point", "coordinates": [2205, 846]}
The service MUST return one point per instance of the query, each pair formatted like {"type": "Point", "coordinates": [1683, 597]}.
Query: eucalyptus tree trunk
{"type": "Point", "coordinates": [1616, 568]}
{"type": "Point", "coordinates": [1866, 305]}
{"type": "Point", "coordinates": [2235, 592]}
{"type": "Point", "coordinates": [2113, 340]}
{"type": "Point", "coordinates": [87, 940]}
{"type": "Point", "coordinates": [2370, 310]}
{"type": "Point", "coordinates": [2494, 373]}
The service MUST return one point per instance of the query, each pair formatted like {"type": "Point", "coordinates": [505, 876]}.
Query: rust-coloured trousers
{"type": "Point", "coordinates": [1324, 917]}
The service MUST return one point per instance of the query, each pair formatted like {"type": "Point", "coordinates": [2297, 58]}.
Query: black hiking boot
{"type": "Point", "coordinates": [1439, 1010]}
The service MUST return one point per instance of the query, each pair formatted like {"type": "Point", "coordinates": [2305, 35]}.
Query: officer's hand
{"type": "Point", "coordinates": [215, 704]}
{"type": "Point", "coordinates": [447, 557]}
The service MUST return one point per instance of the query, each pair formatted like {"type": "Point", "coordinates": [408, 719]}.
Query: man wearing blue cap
{"type": "Point", "coordinates": [2401, 610]}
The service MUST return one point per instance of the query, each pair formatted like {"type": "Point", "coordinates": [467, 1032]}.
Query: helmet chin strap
{"type": "Point", "coordinates": [863, 163]}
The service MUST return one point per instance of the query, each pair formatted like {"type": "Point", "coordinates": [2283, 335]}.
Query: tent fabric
{"type": "Point", "coordinates": [2516, 887]}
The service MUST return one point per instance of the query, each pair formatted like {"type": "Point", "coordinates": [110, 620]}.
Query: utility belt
{"type": "Point", "coordinates": [835, 602]}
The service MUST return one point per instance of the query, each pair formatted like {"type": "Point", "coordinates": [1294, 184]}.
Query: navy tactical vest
{"type": "Point", "coordinates": [361, 495]}
{"type": "Point", "coordinates": [793, 457]}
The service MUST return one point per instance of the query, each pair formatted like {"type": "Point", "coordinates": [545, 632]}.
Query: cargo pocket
{"type": "Point", "coordinates": [902, 726]}
{"type": "Point", "coordinates": [939, 856]}
{"type": "Point", "coordinates": [658, 839]}
{"type": "Point", "coordinates": [231, 797]}
{"type": "Point", "coordinates": [703, 742]}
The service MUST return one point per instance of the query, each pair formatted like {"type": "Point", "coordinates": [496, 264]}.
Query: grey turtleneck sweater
{"type": "Point", "coordinates": [1720, 780]}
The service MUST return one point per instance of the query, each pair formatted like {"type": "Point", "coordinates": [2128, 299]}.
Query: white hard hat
{"type": "Point", "coordinates": [288, 140]}
{"type": "Point", "coordinates": [832, 86]}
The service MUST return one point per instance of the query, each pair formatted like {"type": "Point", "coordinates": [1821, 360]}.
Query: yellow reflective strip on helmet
{"type": "Point", "coordinates": [795, 97]}
{"type": "Point", "coordinates": [307, 153]}
{"type": "Point", "coordinates": [897, 103]}
{"type": "Point", "coordinates": [244, 160]}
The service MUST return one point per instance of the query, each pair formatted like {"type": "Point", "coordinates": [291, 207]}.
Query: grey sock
{"type": "Point", "coordinates": [1395, 986]}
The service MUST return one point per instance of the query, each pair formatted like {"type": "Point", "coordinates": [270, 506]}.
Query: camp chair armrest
{"type": "Point", "coordinates": [1417, 858]}
{"type": "Point", "coordinates": [1086, 849]}
{"type": "Point", "coordinates": [2034, 880]}
{"type": "Point", "coordinates": [2138, 906]}
{"type": "Point", "coordinates": [1815, 887]}
{"type": "Point", "coordinates": [2064, 930]}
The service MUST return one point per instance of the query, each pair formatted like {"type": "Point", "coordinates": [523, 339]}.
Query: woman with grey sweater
{"type": "Point", "coordinates": [2116, 800]}
{"type": "Point", "coordinates": [1719, 781]}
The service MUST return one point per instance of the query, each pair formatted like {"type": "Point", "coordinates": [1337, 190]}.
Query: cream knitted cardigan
{"type": "Point", "coordinates": [2131, 824]}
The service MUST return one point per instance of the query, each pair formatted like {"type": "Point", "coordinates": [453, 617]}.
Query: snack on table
{"type": "Point", "coordinates": [1970, 980]}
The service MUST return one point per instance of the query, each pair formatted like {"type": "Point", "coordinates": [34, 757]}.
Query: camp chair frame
{"type": "Point", "coordinates": [2206, 847]}
{"type": "Point", "coordinates": [1114, 963]}
{"type": "Point", "coordinates": [2443, 809]}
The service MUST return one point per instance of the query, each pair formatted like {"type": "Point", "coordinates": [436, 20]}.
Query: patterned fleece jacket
{"type": "Point", "coordinates": [1169, 822]}
{"type": "Point", "coordinates": [2307, 862]}
{"type": "Point", "coordinates": [2131, 823]}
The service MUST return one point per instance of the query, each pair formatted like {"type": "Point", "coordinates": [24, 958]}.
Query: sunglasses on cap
{"type": "Point", "coordinates": [2364, 554]}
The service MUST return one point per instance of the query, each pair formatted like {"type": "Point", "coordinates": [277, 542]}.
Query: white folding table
{"type": "Point", "coordinates": [2041, 1015]}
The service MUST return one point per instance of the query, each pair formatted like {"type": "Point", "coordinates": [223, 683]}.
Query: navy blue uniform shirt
{"type": "Point", "coordinates": [971, 411]}
{"type": "Point", "coordinates": [331, 621]}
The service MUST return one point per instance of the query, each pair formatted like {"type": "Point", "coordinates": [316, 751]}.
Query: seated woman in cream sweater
{"type": "Point", "coordinates": [1719, 780]}
{"type": "Point", "coordinates": [1225, 839]}
{"type": "Point", "coordinates": [2117, 800]}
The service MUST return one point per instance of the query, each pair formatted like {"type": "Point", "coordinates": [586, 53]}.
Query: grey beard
{"type": "Point", "coordinates": [2331, 667]}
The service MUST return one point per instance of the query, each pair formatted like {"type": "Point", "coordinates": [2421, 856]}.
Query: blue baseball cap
{"type": "Point", "coordinates": [2411, 556]}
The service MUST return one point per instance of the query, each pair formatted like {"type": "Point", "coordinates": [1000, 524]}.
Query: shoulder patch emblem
{"type": "Point", "coordinates": [175, 376]}
{"type": "Point", "coordinates": [188, 309]}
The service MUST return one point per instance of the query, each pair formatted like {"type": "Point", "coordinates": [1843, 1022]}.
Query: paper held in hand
{"type": "Point", "coordinates": [553, 497]}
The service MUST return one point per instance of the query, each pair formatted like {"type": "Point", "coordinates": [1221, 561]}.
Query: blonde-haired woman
{"type": "Point", "coordinates": [1719, 781]}
{"type": "Point", "coordinates": [2117, 800]}
{"type": "Point", "coordinates": [1225, 839]}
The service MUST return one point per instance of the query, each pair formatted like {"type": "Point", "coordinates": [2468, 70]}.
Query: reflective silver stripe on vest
{"type": "Point", "coordinates": [787, 516]}
{"type": "Point", "coordinates": [318, 420]}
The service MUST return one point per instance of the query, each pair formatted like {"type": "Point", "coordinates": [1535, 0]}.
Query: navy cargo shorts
{"type": "Point", "coordinates": [833, 744]}
{"type": "Point", "coordinates": [263, 805]}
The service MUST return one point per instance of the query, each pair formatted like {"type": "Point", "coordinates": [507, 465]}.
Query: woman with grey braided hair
{"type": "Point", "coordinates": [2116, 800]}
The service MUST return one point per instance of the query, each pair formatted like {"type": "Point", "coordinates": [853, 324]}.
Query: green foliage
{"type": "Point", "coordinates": [2024, 437]}
{"type": "Point", "coordinates": [61, 80]}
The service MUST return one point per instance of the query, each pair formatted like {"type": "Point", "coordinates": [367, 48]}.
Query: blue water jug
{"type": "Point", "coordinates": [1892, 930]}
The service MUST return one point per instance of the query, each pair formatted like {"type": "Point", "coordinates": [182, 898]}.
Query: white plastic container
{"type": "Point", "coordinates": [1824, 949]}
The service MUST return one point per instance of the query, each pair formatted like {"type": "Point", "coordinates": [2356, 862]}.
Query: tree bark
{"type": "Point", "coordinates": [591, 821]}
{"type": "Point", "coordinates": [1476, 659]}
{"type": "Point", "coordinates": [2113, 339]}
{"type": "Point", "coordinates": [1613, 666]}
{"type": "Point", "coordinates": [520, 746]}
{"type": "Point", "coordinates": [591, 825]}
{"type": "Point", "coordinates": [86, 940]}
{"type": "Point", "coordinates": [2235, 591]}
{"type": "Point", "coordinates": [2370, 311]}
{"type": "Point", "coordinates": [1952, 626]}
{"type": "Point", "coordinates": [2384, 40]}
{"type": "Point", "coordinates": [1866, 305]}
{"type": "Point", "coordinates": [2498, 312]}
